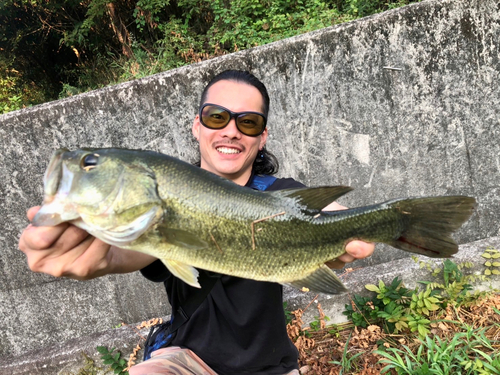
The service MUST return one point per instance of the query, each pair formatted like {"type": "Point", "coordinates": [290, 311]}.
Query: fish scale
{"type": "Point", "coordinates": [190, 218]}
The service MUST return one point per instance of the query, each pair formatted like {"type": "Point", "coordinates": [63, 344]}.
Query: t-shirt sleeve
{"type": "Point", "coordinates": [156, 272]}
{"type": "Point", "coordinates": [285, 183]}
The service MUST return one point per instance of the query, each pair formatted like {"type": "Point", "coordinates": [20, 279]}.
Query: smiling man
{"type": "Point", "coordinates": [234, 325]}
{"type": "Point", "coordinates": [226, 151]}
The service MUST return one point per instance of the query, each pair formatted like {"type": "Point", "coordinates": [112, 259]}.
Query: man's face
{"type": "Point", "coordinates": [227, 152]}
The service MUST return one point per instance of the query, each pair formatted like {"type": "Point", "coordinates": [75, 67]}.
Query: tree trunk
{"type": "Point", "coordinates": [120, 30]}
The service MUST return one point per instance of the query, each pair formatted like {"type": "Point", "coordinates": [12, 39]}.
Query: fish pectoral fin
{"type": "Point", "coordinates": [183, 271]}
{"type": "Point", "coordinates": [315, 199]}
{"type": "Point", "coordinates": [181, 238]}
{"type": "Point", "coordinates": [322, 280]}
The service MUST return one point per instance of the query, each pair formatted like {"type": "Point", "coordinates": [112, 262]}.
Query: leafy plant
{"type": "Point", "coordinates": [420, 324]}
{"type": "Point", "coordinates": [388, 308]}
{"type": "Point", "coordinates": [388, 293]}
{"type": "Point", "coordinates": [394, 314]}
{"type": "Point", "coordinates": [288, 313]}
{"type": "Point", "coordinates": [492, 263]}
{"type": "Point", "coordinates": [361, 311]}
{"type": "Point", "coordinates": [316, 323]}
{"type": "Point", "coordinates": [425, 302]}
{"type": "Point", "coordinates": [456, 289]}
{"type": "Point", "coordinates": [113, 359]}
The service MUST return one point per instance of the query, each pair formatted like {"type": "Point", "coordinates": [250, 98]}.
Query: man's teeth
{"type": "Point", "coordinates": [227, 150]}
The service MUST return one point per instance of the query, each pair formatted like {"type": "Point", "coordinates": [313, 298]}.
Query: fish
{"type": "Point", "coordinates": [192, 219]}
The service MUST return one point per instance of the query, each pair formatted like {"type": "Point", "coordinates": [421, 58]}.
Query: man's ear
{"type": "Point", "coordinates": [196, 127]}
{"type": "Point", "coordinates": [263, 139]}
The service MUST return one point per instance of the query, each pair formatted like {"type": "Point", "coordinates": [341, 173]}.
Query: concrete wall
{"type": "Point", "coordinates": [405, 103]}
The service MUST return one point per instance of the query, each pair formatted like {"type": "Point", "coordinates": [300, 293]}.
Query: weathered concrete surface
{"type": "Point", "coordinates": [67, 358]}
{"type": "Point", "coordinates": [404, 103]}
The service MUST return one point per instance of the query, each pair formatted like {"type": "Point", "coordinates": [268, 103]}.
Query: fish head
{"type": "Point", "coordinates": [99, 190]}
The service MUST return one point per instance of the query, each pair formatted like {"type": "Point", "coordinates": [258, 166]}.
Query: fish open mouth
{"type": "Point", "coordinates": [53, 175]}
{"type": "Point", "coordinates": [57, 184]}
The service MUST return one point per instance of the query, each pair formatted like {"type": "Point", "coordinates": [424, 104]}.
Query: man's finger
{"type": "Point", "coordinates": [32, 212]}
{"type": "Point", "coordinates": [360, 249]}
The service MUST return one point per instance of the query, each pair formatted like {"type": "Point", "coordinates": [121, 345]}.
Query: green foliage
{"type": "Point", "coordinates": [418, 323]}
{"type": "Point", "coordinates": [461, 354]}
{"type": "Point", "coordinates": [288, 313]}
{"type": "Point", "coordinates": [423, 303]}
{"type": "Point", "coordinates": [361, 311]}
{"type": "Point", "coordinates": [15, 93]}
{"type": "Point", "coordinates": [388, 308]}
{"type": "Point", "coordinates": [363, 8]}
{"type": "Point", "coordinates": [316, 323]}
{"type": "Point", "coordinates": [61, 48]}
{"type": "Point", "coordinates": [245, 24]}
{"type": "Point", "coordinates": [398, 309]}
{"type": "Point", "coordinates": [393, 292]}
{"type": "Point", "coordinates": [113, 360]}
{"type": "Point", "coordinates": [456, 290]}
{"type": "Point", "coordinates": [492, 263]}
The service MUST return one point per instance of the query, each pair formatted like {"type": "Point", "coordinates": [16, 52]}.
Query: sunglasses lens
{"type": "Point", "coordinates": [248, 123]}
{"type": "Point", "coordinates": [214, 117]}
{"type": "Point", "coordinates": [251, 124]}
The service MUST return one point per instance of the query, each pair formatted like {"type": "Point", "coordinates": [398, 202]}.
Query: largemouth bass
{"type": "Point", "coordinates": [189, 217]}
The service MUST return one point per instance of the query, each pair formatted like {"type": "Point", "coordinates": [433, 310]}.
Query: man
{"type": "Point", "coordinates": [239, 327]}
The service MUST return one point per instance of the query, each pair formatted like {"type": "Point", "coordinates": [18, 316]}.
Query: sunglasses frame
{"type": "Point", "coordinates": [233, 115]}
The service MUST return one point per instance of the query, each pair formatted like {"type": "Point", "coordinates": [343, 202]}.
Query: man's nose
{"type": "Point", "coordinates": [231, 130]}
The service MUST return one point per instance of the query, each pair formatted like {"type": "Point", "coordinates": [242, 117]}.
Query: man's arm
{"type": "Point", "coordinates": [354, 249]}
{"type": "Point", "coordinates": [67, 251]}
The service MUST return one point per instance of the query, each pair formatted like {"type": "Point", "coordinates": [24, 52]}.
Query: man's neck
{"type": "Point", "coordinates": [240, 179]}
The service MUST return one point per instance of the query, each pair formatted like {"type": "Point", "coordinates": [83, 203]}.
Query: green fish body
{"type": "Point", "coordinates": [189, 217]}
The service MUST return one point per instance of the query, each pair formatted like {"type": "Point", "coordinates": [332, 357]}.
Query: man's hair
{"type": "Point", "coordinates": [265, 162]}
{"type": "Point", "coordinates": [243, 77]}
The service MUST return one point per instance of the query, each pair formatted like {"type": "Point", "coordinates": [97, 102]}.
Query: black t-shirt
{"type": "Point", "coordinates": [240, 327]}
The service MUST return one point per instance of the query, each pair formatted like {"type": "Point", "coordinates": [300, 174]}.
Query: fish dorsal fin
{"type": "Point", "coordinates": [316, 198]}
{"type": "Point", "coordinates": [183, 271]}
{"type": "Point", "coordinates": [323, 280]}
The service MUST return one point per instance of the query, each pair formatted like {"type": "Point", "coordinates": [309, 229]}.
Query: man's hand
{"type": "Point", "coordinates": [65, 250]}
{"type": "Point", "coordinates": [354, 249]}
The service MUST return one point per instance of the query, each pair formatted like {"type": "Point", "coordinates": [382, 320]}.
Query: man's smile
{"type": "Point", "coordinates": [227, 150]}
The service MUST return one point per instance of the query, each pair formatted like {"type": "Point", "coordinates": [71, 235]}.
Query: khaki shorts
{"type": "Point", "coordinates": [175, 360]}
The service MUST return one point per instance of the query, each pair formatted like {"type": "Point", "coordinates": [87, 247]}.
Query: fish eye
{"type": "Point", "coordinates": [89, 161]}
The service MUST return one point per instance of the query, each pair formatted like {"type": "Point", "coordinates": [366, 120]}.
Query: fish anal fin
{"type": "Point", "coordinates": [317, 198]}
{"type": "Point", "coordinates": [183, 271]}
{"type": "Point", "coordinates": [322, 280]}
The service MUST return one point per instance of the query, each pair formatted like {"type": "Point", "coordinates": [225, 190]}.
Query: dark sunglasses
{"type": "Point", "coordinates": [214, 116]}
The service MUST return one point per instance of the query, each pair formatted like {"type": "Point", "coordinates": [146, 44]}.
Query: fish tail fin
{"type": "Point", "coordinates": [429, 223]}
